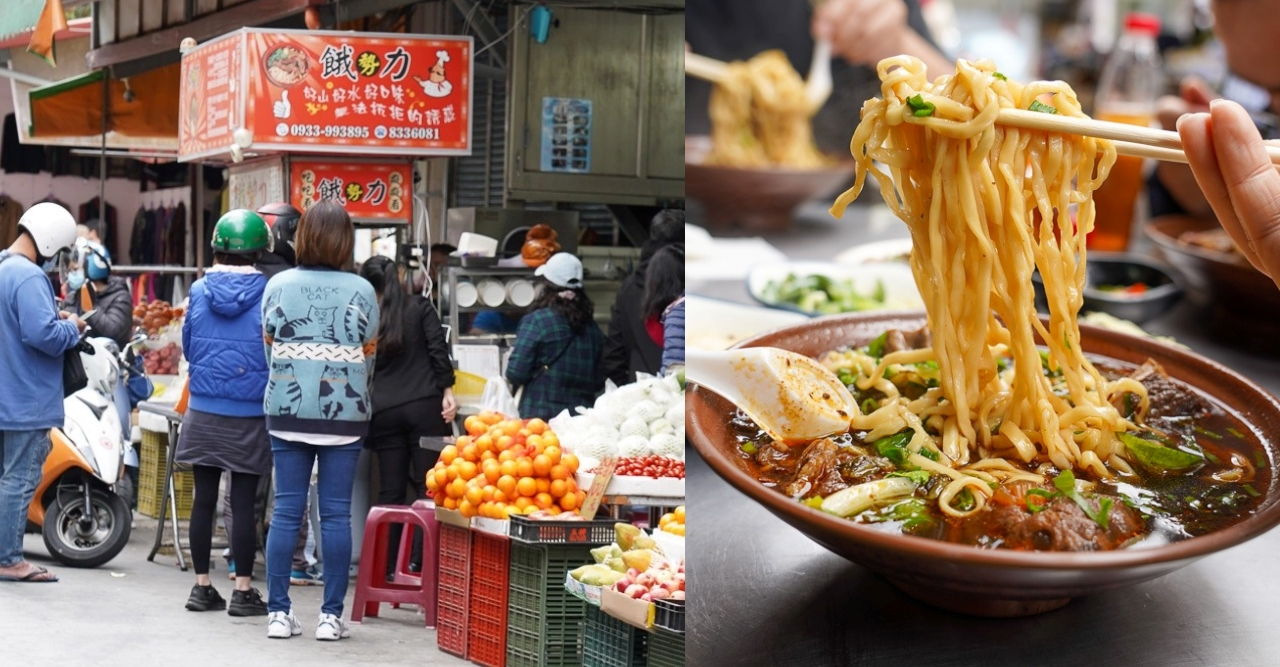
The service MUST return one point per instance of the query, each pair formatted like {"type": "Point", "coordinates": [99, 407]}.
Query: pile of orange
{"type": "Point", "coordinates": [503, 467]}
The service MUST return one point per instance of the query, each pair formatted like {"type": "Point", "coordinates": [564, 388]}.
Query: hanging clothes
{"type": "Point", "coordinates": [107, 223]}
{"type": "Point", "coordinates": [10, 211]}
{"type": "Point", "coordinates": [17, 157]}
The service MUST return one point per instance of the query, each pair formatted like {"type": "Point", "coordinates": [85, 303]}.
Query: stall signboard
{"type": "Point", "coordinates": [372, 192]}
{"type": "Point", "coordinates": [328, 92]}
{"type": "Point", "coordinates": [257, 183]}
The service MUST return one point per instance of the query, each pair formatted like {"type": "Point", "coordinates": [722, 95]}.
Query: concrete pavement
{"type": "Point", "coordinates": [129, 613]}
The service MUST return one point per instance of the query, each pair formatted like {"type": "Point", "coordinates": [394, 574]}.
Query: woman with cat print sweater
{"type": "Point", "coordinates": [224, 427]}
{"type": "Point", "coordinates": [320, 325]}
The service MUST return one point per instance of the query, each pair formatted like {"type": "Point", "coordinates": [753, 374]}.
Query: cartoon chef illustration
{"type": "Point", "coordinates": [435, 85]}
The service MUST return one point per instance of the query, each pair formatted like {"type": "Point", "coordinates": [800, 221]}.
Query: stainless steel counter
{"type": "Point", "coordinates": [762, 593]}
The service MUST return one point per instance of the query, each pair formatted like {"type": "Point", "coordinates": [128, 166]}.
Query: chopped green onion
{"type": "Point", "coordinates": [1037, 105]}
{"type": "Point", "coordinates": [1065, 482]}
{"type": "Point", "coordinates": [1038, 505]}
{"type": "Point", "coordinates": [894, 447]}
{"type": "Point", "coordinates": [920, 477]}
{"type": "Point", "coordinates": [1000, 76]}
{"type": "Point", "coordinates": [919, 107]}
{"type": "Point", "coordinates": [1234, 431]}
{"type": "Point", "coordinates": [813, 501]}
{"type": "Point", "coordinates": [928, 454]}
{"type": "Point", "coordinates": [1207, 433]}
{"type": "Point", "coordinates": [869, 406]}
{"type": "Point", "coordinates": [1251, 491]}
{"type": "Point", "coordinates": [876, 347]}
{"type": "Point", "coordinates": [749, 447]}
{"type": "Point", "coordinates": [964, 501]}
{"type": "Point", "coordinates": [1259, 459]}
{"type": "Point", "coordinates": [846, 376]}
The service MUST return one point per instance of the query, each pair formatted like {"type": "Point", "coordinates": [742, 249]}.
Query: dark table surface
{"type": "Point", "coordinates": [761, 593]}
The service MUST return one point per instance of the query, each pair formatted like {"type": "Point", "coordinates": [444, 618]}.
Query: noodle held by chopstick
{"type": "Point", "coordinates": [760, 116]}
{"type": "Point", "coordinates": [987, 205]}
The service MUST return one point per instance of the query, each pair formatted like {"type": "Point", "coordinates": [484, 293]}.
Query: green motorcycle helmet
{"type": "Point", "coordinates": [241, 232]}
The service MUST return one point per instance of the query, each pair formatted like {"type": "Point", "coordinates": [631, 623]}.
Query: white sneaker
{"type": "Point", "coordinates": [331, 628]}
{"type": "Point", "coordinates": [282, 625]}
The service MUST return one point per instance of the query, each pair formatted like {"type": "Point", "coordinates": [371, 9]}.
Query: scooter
{"type": "Point", "coordinates": [81, 505]}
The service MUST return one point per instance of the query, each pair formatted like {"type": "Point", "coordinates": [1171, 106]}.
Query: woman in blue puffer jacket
{"type": "Point", "coordinates": [225, 427]}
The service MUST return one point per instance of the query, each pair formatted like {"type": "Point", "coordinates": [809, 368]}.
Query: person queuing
{"type": "Point", "coordinates": [634, 344]}
{"type": "Point", "coordinates": [664, 301]}
{"type": "Point", "coordinates": [413, 396]}
{"type": "Point", "coordinates": [224, 428]}
{"type": "Point", "coordinates": [92, 289]}
{"type": "Point", "coordinates": [320, 325]}
{"type": "Point", "coordinates": [556, 356]}
{"type": "Point", "coordinates": [37, 336]}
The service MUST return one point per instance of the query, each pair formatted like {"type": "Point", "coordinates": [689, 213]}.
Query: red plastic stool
{"type": "Point", "coordinates": [405, 587]}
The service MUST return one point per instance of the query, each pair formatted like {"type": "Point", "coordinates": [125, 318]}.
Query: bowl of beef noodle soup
{"type": "Point", "coordinates": [998, 532]}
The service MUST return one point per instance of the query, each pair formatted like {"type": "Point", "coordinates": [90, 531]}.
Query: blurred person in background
{"type": "Point", "coordinates": [1247, 30]}
{"type": "Point", "coordinates": [862, 33]}
{"type": "Point", "coordinates": [556, 356]}
{"type": "Point", "coordinates": [664, 301]}
{"type": "Point", "coordinates": [634, 344]}
{"type": "Point", "coordinates": [92, 289]}
{"type": "Point", "coordinates": [413, 396]}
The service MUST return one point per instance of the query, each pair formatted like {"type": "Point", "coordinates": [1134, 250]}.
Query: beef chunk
{"type": "Point", "coordinates": [898, 340]}
{"type": "Point", "coordinates": [817, 469]}
{"type": "Point", "coordinates": [1168, 398]}
{"type": "Point", "coordinates": [1063, 526]}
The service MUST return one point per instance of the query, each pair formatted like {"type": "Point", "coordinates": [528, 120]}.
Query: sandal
{"type": "Point", "coordinates": [37, 576]}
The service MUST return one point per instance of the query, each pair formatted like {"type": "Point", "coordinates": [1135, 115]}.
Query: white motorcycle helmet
{"type": "Point", "coordinates": [51, 227]}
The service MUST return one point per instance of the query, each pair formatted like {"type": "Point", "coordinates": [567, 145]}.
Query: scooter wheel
{"type": "Point", "coordinates": [89, 543]}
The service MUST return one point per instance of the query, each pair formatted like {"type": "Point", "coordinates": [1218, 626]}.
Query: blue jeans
{"type": "Point", "coordinates": [293, 462]}
{"type": "Point", "coordinates": [22, 455]}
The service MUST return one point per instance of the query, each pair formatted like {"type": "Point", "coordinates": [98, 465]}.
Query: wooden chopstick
{"type": "Point", "coordinates": [1133, 140]}
{"type": "Point", "coordinates": [703, 67]}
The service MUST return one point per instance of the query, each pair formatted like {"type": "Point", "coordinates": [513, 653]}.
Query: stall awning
{"type": "Point", "coordinates": [73, 107]}
{"type": "Point", "coordinates": [19, 15]}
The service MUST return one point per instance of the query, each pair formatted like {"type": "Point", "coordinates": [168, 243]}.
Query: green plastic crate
{"type": "Point", "coordinates": [544, 621]}
{"type": "Point", "coordinates": [665, 648]}
{"type": "Point", "coordinates": [608, 642]}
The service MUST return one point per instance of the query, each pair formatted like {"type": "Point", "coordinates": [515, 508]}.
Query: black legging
{"type": "Point", "coordinates": [204, 505]}
{"type": "Point", "coordinates": [402, 462]}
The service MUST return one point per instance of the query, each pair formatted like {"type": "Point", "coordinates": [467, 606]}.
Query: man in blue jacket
{"type": "Point", "coordinates": [36, 336]}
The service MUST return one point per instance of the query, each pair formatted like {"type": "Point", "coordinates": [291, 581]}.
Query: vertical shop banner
{"type": "Point", "coordinates": [370, 191]}
{"type": "Point", "coordinates": [209, 106]}
{"type": "Point", "coordinates": [327, 92]}
{"type": "Point", "coordinates": [256, 184]}
{"type": "Point", "coordinates": [566, 135]}
{"type": "Point", "coordinates": [391, 94]}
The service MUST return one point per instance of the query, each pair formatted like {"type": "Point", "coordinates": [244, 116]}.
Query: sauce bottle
{"type": "Point", "coordinates": [1132, 80]}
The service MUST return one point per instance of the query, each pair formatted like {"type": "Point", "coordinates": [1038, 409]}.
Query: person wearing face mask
{"type": "Point", "coordinates": [92, 289]}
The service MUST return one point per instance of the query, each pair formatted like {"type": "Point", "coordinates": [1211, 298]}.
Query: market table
{"type": "Point", "coordinates": [169, 498]}
{"type": "Point", "coordinates": [764, 594]}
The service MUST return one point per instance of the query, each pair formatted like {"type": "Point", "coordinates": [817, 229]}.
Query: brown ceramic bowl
{"type": "Point", "coordinates": [992, 582]}
{"type": "Point", "coordinates": [754, 199]}
{"type": "Point", "coordinates": [1243, 303]}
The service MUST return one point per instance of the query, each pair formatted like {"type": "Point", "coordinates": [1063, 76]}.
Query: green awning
{"type": "Point", "coordinates": [19, 15]}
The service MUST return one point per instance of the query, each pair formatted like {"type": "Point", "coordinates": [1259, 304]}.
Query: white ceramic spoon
{"type": "Point", "coordinates": [817, 86]}
{"type": "Point", "coordinates": [792, 397]}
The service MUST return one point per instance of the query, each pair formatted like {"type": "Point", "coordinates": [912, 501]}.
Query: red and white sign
{"type": "Point", "coordinates": [370, 191]}
{"type": "Point", "coordinates": [328, 92]}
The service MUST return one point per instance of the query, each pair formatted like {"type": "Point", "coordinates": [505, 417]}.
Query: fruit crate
{"type": "Point", "coordinates": [592, 533]}
{"type": "Point", "coordinates": [669, 615]}
{"type": "Point", "coordinates": [453, 581]}
{"type": "Point", "coordinates": [155, 446]}
{"type": "Point", "coordinates": [487, 617]}
{"type": "Point", "coordinates": [608, 642]}
{"type": "Point", "coordinates": [544, 620]}
{"type": "Point", "coordinates": [666, 648]}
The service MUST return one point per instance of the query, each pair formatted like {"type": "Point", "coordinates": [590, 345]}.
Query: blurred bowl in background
{"type": "Point", "coordinates": [1109, 287]}
{"type": "Point", "coordinates": [899, 286]}
{"type": "Point", "coordinates": [754, 199]}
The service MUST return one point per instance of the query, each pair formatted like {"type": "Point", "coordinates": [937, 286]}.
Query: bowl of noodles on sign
{"type": "Point", "coordinates": [1000, 463]}
{"type": "Point", "coordinates": [286, 65]}
{"type": "Point", "coordinates": [760, 161]}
